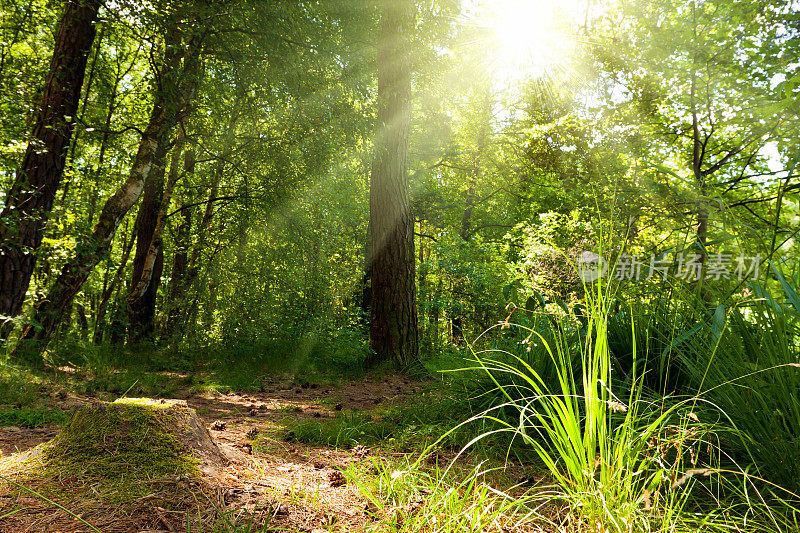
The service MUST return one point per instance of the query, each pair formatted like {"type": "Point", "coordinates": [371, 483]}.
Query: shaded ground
{"type": "Point", "coordinates": [14, 439]}
{"type": "Point", "coordinates": [290, 486]}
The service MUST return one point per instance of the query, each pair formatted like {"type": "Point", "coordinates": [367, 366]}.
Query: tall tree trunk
{"type": "Point", "coordinates": [177, 282]}
{"type": "Point", "coordinates": [110, 287]}
{"type": "Point", "coordinates": [175, 93]}
{"type": "Point", "coordinates": [393, 311]}
{"type": "Point", "coordinates": [147, 268]}
{"type": "Point", "coordinates": [141, 300]}
{"type": "Point", "coordinates": [33, 192]}
{"type": "Point", "coordinates": [77, 270]}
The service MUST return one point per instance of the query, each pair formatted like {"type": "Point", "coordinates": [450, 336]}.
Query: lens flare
{"type": "Point", "coordinates": [531, 37]}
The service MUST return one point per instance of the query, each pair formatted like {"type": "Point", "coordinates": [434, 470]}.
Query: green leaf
{"type": "Point", "coordinates": [718, 322]}
{"type": "Point", "coordinates": [791, 293]}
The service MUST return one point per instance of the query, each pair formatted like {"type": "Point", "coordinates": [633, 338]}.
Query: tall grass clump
{"type": "Point", "coordinates": [406, 497]}
{"type": "Point", "coordinates": [746, 361]}
{"type": "Point", "coordinates": [621, 464]}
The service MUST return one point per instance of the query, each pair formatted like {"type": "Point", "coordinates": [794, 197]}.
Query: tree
{"type": "Point", "coordinates": [393, 315]}
{"type": "Point", "coordinates": [32, 194]}
{"type": "Point", "coordinates": [697, 78]}
{"type": "Point", "coordinates": [148, 262]}
{"type": "Point", "coordinates": [175, 91]}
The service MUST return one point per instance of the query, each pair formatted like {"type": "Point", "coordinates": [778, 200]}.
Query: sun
{"type": "Point", "coordinates": [531, 37]}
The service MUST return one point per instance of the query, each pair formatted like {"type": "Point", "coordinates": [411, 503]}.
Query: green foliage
{"type": "Point", "coordinates": [411, 427]}
{"type": "Point", "coordinates": [544, 244]}
{"type": "Point", "coordinates": [407, 497]}
{"type": "Point", "coordinates": [610, 455]}
{"type": "Point", "coordinates": [670, 113]}
{"type": "Point", "coordinates": [745, 361]}
{"type": "Point", "coordinates": [460, 283]}
{"type": "Point", "coordinates": [646, 335]}
{"type": "Point", "coordinates": [30, 417]}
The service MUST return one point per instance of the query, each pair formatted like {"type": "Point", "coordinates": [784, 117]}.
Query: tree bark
{"type": "Point", "coordinates": [108, 290]}
{"type": "Point", "coordinates": [175, 92]}
{"type": "Point", "coordinates": [177, 283]}
{"type": "Point", "coordinates": [147, 268]}
{"type": "Point", "coordinates": [393, 311]}
{"type": "Point", "coordinates": [33, 192]}
{"type": "Point", "coordinates": [139, 301]}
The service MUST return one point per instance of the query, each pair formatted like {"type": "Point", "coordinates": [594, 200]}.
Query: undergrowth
{"type": "Point", "coordinates": [409, 427]}
{"type": "Point", "coordinates": [669, 424]}
{"type": "Point", "coordinates": [30, 417]}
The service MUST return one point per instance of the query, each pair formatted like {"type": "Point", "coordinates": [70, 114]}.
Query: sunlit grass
{"type": "Point", "coordinates": [637, 462]}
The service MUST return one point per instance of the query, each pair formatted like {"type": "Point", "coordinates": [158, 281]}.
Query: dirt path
{"type": "Point", "coordinates": [292, 486]}
{"type": "Point", "coordinates": [302, 486]}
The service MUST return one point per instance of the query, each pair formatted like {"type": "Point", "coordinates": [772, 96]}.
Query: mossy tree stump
{"type": "Point", "coordinates": [134, 439]}
{"type": "Point", "coordinates": [111, 465]}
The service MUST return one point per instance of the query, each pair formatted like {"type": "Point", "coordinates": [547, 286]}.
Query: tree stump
{"type": "Point", "coordinates": [135, 438]}
{"type": "Point", "coordinates": [111, 466]}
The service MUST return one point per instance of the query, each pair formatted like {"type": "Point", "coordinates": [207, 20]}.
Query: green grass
{"type": "Point", "coordinates": [410, 427]}
{"type": "Point", "coordinates": [20, 391]}
{"type": "Point", "coordinates": [744, 359]}
{"type": "Point", "coordinates": [626, 456]}
{"type": "Point", "coordinates": [30, 417]}
{"type": "Point", "coordinates": [602, 450]}
{"type": "Point", "coordinates": [407, 496]}
{"type": "Point", "coordinates": [19, 385]}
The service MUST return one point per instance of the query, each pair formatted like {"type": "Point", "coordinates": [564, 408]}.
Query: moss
{"type": "Point", "coordinates": [122, 445]}
{"type": "Point", "coordinates": [143, 402]}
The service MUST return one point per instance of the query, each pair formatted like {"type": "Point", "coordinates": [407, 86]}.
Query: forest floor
{"type": "Point", "coordinates": [276, 481]}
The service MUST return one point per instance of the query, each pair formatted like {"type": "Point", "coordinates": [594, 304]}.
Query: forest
{"type": "Point", "coordinates": [399, 266]}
